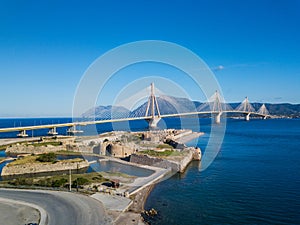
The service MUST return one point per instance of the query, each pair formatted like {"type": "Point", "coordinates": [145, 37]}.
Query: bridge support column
{"type": "Point", "coordinates": [52, 131]}
{"type": "Point", "coordinates": [153, 122]}
{"type": "Point", "coordinates": [22, 133]}
{"type": "Point", "coordinates": [247, 117]}
{"type": "Point", "coordinates": [265, 117]}
{"type": "Point", "coordinates": [218, 118]}
{"type": "Point", "coordinates": [72, 130]}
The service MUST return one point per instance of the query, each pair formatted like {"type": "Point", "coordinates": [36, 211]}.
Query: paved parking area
{"type": "Point", "coordinates": [113, 202]}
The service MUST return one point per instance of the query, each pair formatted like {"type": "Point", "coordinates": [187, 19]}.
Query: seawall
{"type": "Point", "coordinates": [177, 164]}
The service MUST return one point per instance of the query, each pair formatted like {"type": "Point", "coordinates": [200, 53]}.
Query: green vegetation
{"type": "Point", "coordinates": [23, 160]}
{"type": "Point", "coordinates": [59, 183]}
{"type": "Point", "coordinates": [80, 181]}
{"type": "Point", "coordinates": [3, 147]}
{"type": "Point", "coordinates": [162, 146]}
{"type": "Point", "coordinates": [43, 158]}
{"type": "Point", "coordinates": [148, 145]}
{"type": "Point", "coordinates": [58, 180]}
{"type": "Point", "coordinates": [165, 153]}
{"type": "Point", "coordinates": [38, 144]}
{"type": "Point", "coordinates": [47, 157]}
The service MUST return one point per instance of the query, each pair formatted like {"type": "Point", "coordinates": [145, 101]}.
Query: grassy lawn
{"type": "Point", "coordinates": [165, 153]}
{"type": "Point", "coordinates": [33, 159]}
{"type": "Point", "coordinates": [162, 146]}
{"type": "Point", "coordinates": [24, 160]}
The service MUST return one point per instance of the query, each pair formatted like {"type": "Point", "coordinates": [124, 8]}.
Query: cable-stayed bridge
{"type": "Point", "coordinates": [151, 112]}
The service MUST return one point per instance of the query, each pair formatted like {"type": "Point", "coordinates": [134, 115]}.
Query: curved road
{"type": "Point", "coordinates": [62, 207]}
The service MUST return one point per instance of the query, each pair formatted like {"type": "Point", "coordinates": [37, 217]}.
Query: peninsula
{"type": "Point", "coordinates": [159, 153]}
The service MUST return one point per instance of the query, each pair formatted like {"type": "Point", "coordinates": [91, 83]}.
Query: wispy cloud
{"type": "Point", "coordinates": [240, 65]}
{"type": "Point", "coordinates": [217, 68]}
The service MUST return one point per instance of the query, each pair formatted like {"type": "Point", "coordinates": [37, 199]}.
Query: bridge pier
{"type": "Point", "coordinates": [218, 118]}
{"type": "Point", "coordinates": [72, 130]}
{"type": "Point", "coordinates": [153, 122]}
{"type": "Point", "coordinates": [247, 117]}
{"type": "Point", "coordinates": [52, 131]}
{"type": "Point", "coordinates": [22, 133]}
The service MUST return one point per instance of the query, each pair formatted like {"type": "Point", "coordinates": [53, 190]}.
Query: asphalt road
{"type": "Point", "coordinates": [62, 207]}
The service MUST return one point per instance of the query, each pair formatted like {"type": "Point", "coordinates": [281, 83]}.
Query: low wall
{"type": "Point", "coordinates": [30, 149]}
{"type": "Point", "coordinates": [153, 161]}
{"type": "Point", "coordinates": [41, 169]}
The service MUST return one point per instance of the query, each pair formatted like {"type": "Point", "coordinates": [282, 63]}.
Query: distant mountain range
{"type": "Point", "coordinates": [169, 105]}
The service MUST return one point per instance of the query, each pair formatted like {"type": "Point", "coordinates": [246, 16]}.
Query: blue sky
{"type": "Point", "coordinates": [46, 46]}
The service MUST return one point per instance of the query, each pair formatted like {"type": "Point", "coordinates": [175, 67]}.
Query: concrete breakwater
{"type": "Point", "coordinates": [42, 169]}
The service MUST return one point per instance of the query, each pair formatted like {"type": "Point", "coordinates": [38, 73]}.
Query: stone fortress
{"type": "Point", "coordinates": [119, 144]}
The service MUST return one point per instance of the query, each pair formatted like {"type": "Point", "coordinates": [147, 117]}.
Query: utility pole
{"type": "Point", "coordinates": [77, 179]}
{"type": "Point", "coordinates": [70, 180]}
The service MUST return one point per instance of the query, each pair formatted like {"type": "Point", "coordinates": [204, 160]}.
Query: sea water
{"type": "Point", "coordinates": [255, 179]}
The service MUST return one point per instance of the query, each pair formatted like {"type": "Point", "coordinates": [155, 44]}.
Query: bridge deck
{"type": "Point", "coordinates": [85, 123]}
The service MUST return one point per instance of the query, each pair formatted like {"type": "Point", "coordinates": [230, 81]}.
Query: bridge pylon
{"type": "Point", "coordinates": [153, 108]}
{"type": "Point", "coordinates": [246, 107]}
{"type": "Point", "coordinates": [263, 111]}
{"type": "Point", "coordinates": [216, 106]}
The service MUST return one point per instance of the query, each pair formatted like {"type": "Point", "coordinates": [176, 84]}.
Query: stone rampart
{"type": "Point", "coordinates": [31, 169]}
{"type": "Point", "coordinates": [177, 165]}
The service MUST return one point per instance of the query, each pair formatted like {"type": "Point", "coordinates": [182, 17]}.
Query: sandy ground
{"type": "Point", "coordinates": [12, 214]}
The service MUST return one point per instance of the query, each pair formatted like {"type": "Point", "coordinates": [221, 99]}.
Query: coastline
{"type": "Point", "coordinates": [142, 187]}
{"type": "Point", "coordinates": [142, 196]}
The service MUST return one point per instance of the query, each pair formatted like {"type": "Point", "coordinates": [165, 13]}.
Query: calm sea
{"type": "Point", "coordinates": [255, 178]}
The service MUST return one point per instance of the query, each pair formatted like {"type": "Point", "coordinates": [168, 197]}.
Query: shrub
{"type": "Point", "coordinates": [59, 183]}
{"type": "Point", "coordinates": [80, 181]}
{"type": "Point", "coordinates": [47, 157]}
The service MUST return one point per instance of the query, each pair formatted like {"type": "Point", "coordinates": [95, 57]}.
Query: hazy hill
{"type": "Point", "coordinates": [107, 112]}
{"type": "Point", "coordinates": [170, 105]}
